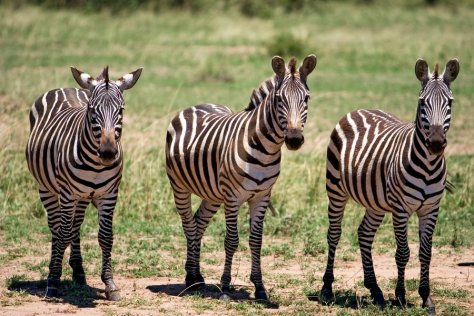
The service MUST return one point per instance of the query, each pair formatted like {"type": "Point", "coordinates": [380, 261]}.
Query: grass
{"type": "Point", "coordinates": [363, 61]}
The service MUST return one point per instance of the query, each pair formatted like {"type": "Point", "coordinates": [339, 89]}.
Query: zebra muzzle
{"type": "Point", "coordinates": [108, 150]}
{"type": "Point", "coordinates": [436, 141]}
{"type": "Point", "coordinates": [294, 139]}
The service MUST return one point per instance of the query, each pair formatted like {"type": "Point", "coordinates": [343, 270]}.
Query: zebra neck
{"type": "Point", "coordinates": [87, 147]}
{"type": "Point", "coordinates": [421, 153]}
{"type": "Point", "coordinates": [265, 130]}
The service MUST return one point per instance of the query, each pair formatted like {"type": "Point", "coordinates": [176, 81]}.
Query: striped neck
{"type": "Point", "coordinates": [419, 147]}
{"type": "Point", "coordinates": [88, 146]}
{"type": "Point", "coordinates": [265, 132]}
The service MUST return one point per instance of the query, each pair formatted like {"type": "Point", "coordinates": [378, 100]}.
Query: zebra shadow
{"type": "Point", "coordinates": [82, 296]}
{"type": "Point", "coordinates": [349, 299]}
{"type": "Point", "coordinates": [237, 294]}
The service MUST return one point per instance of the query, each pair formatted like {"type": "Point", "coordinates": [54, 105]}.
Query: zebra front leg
{"type": "Point", "coordinates": [336, 207]}
{"type": "Point", "coordinates": [202, 217]}
{"type": "Point", "coordinates": [400, 219]}
{"type": "Point", "coordinates": [75, 258]}
{"type": "Point", "coordinates": [257, 215]}
{"type": "Point", "coordinates": [105, 206]}
{"type": "Point", "coordinates": [230, 244]}
{"type": "Point", "coordinates": [427, 223]}
{"type": "Point", "coordinates": [366, 233]}
{"type": "Point", "coordinates": [60, 222]}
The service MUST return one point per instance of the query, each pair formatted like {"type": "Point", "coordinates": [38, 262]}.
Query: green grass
{"type": "Point", "coordinates": [366, 56]}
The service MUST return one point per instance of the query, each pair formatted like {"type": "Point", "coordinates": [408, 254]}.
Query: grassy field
{"type": "Point", "coordinates": [366, 56]}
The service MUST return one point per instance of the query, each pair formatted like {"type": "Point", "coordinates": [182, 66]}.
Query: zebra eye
{"type": "Point", "coordinates": [306, 99]}
{"type": "Point", "coordinates": [94, 117]}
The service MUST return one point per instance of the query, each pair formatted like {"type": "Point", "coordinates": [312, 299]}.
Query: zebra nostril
{"type": "Point", "coordinates": [108, 154]}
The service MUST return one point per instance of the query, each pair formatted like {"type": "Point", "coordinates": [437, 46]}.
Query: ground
{"type": "Point", "coordinates": [162, 295]}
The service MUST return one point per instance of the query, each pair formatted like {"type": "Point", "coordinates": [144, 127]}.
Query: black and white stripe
{"type": "Point", "coordinates": [232, 158]}
{"type": "Point", "coordinates": [74, 153]}
{"type": "Point", "coordinates": [387, 165]}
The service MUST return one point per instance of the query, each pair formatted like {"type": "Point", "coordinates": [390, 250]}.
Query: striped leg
{"type": "Point", "coordinates": [427, 223]}
{"type": "Point", "coordinates": [202, 217]}
{"type": "Point", "coordinates": [75, 259]}
{"type": "Point", "coordinates": [257, 215]}
{"type": "Point", "coordinates": [106, 205]}
{"type": "Point", "coordinates": [337, 203]}
{"type": "Point", "coordinates": [400, 219]}
{"type": "Point", "coordinates": [182, 200]}
{"type": "Point", "coordinates": [60, 222]}
{"type": "Point", "coordinates": [231, 243]}
{"type": "Point", "coordinates": [366, 232]}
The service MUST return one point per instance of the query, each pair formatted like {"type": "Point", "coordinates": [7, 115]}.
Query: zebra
{"type": "Point", "coordinates": [232, 158]}
{"type": "Point", "coordinates": [75, 155]}
{"type": "Point", "coordinates": [387, 165]}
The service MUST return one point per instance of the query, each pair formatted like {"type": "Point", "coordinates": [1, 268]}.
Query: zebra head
{"type": "Point", "coordinates": [291, 98]}
{"type": "Point", "coordinates": [434, 103]}
{"type": "Point", "coordinates": [105, 110]}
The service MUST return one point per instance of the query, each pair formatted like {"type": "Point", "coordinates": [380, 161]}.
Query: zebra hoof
{"type": "Point", "coordinates": [195, 282]}
{"type": "Point", "coordinates": [79, 279]}
{"type": "Point", "coordinates": [52, 292]}
{"type": "Point", "coordinates": [113, 295]}
{"type": "Point", "coordinates": [261, 295]}
{"type": "Point", "coordinates": [429, 306]}
{"type": "Point", "coordinates": [224, 297]}
{"type": "Point", "coordinates": [326, 296]}
{"type": "Point", "coordinates": [378, 299]}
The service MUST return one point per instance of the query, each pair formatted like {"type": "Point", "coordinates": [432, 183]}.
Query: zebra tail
{"type": "Point", "coordinates": [450, 187]}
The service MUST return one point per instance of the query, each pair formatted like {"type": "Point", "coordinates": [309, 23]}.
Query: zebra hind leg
{"type": "Point", "coordinates": [337, 203]}
{"type": "Point", "coordinates": [182, 199]}
{"type": "Point", "coordinates": [202, 218]}
{"type": "Point", "coordinates": [75, 259]}
{"type": "Point", "coordinates": [366, 232]}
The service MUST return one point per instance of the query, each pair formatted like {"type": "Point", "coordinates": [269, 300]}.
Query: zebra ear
{"type": "Point", "coordinates": [278, 65]}
{"type": "Point", "coordinates": [84, 80]}
{"type": "Point", "coordinates": [421, 70]}
{"type": "Point", "coordinates": [451, 71]}
{"type": "Point", "coordinates": [129, 80]}
{"type": "Point", "coordinates": [309, 63]}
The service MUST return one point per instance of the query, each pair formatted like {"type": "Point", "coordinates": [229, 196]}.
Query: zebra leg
{"type": "Point", "coordinates": [400, 219]}
{"type": "Point", "coordinates": [366, 233]}
{"type": "Point", "coordinates": [257, 214]}
{"type": "Point", "coordinates": [337, 203]}
{"type": "Point", "coordinates": [202, 217]}
{"type": "Point", "coordinates": [60, 222]}
{"type": "Point", "coordinates": [427, 223]}
{"type": "Point", "coordinates": [182, 200]}
{"type": "Point", "coordinates": [75, 259]}
{"type": "Point", "coordinates": [231, 243]}
{"type": "Point", "coordinates": [105, 206]}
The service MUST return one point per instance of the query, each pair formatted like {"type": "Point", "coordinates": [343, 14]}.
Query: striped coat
{"type": "Point", "coordinates": [232, 158]}
{"type": "Point", "coordinates": [387, 165]}
{"type": "Point", "coordinates": [75, 155]}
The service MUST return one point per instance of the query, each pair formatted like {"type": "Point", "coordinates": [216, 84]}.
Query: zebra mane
{"type": "Point", "coordinates": [292, 66]}
{"type": "Point", "coordinates": [259, 94]}
{"type": "Point", "coordinates": [436, 71]}
{"type": "Point", "coordinates": [104, 76]}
